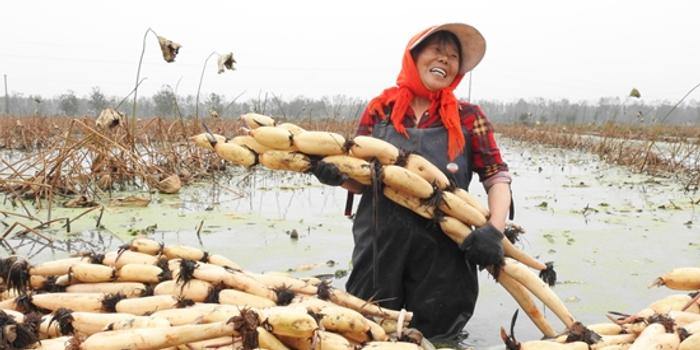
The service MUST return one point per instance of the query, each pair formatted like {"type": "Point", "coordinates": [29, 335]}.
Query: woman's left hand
{"type": "Point", "coordinates": [484, 246]}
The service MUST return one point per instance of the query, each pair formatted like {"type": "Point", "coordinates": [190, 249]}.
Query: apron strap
{"type": "Point", "coordinates": [348, 204]}
{"type": "Point", "coordinates": [511, 212]}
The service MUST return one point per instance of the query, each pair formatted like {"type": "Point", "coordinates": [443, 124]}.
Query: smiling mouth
{"type": "Point", "coordinates": [439, 72]}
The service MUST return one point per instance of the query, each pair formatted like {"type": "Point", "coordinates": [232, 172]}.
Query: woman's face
{"type": "Point", "coordinates": [438, 64]}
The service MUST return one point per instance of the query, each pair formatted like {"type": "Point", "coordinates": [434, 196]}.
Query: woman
{"type": "Point", "coordinates": [401, 259]}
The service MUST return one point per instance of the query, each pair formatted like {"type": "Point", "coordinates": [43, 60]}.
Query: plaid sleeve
{"type": "Point", "coordinates": [486, 157]}
{"type": "Point", "coordinates": [367, 121]}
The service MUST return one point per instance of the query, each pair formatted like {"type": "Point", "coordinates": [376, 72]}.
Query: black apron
{"type": "Point", "coordinates": [416, 266]}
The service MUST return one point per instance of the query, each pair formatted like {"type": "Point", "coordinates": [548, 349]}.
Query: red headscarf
{"type": "Point", "coordinates": [410, 85]}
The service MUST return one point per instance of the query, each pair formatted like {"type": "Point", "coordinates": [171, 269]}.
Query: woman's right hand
{"type": "Point", "coordinates": [354, 186]}
{"type": "Point", "coordinates": [327, 173]}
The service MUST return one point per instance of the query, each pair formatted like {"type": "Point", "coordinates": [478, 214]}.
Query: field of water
{"type": "Point", "coordinates": [609, 232]}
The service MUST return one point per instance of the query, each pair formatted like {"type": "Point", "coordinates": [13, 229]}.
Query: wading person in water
{"type": "Point", "coordinates": [409, 262]}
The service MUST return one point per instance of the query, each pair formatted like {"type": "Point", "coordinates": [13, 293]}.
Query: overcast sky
{"type": "Point", "coordinates": [579, 50]}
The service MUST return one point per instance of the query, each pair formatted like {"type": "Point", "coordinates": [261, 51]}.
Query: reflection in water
{"type": "Point", "coordinates": [97, 241]}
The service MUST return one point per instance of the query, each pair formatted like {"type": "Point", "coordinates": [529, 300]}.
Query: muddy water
{"type": "Point", "coordinates": [609, 232]}
{"type": "Point", "coordinates": [264, 221]}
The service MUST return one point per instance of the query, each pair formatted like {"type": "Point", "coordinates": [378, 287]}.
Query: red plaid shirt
{"type": "Point", "coordinates": [486, 157]}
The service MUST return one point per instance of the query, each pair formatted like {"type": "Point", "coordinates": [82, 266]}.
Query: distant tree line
{"type": "Point", "coordinates": [166, 103]}
{"type": "Point", "coordinates": [606, 109]}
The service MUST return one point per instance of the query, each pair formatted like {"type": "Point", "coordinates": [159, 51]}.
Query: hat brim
{"type": "Point", "coordinates": [472, 42]}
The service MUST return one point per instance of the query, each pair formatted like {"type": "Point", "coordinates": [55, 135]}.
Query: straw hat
{"type": "Point", "coordinates": [473, 43]}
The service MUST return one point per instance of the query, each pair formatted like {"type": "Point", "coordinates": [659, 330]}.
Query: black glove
{"type": "Point", "coordinates": [484, 246]}
{"type": "Point", "coordinates": [327, 173]}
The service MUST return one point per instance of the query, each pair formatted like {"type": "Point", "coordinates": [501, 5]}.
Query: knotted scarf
{"type": "Point", "coordinates": [409, 85]}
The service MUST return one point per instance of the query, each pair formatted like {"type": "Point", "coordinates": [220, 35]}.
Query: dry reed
{"type": "Point", "coordinates": [660, 150]}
